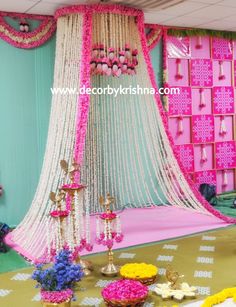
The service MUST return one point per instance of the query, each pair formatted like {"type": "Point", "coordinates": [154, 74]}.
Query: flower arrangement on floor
{"type": "Point", "coordinates": [145, 273]}
{"type": "Point", "coordinates": [57, 282]}
{"type": "Point", "coordinates": [125, 293]}
{"type": "Point", "coordinates": [220, 297]}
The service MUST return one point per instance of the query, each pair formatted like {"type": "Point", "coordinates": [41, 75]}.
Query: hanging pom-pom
{"type": "Point", "coordinates": [101, 50]}
{"type": "Point", "coordinates": [115, 65]}
{"type": "Point", "coordinates": [104, 65]}
{"type": "Point", "coordinates": [133, 72]}
{"type": "Point", "coordinates": [124, 66]}
{"type": "Point", "coordinates": [178, 75]}
{"type": "Point", "coordinates": [109, 71]}
{"type": "Point", "coordinates": [99, 67]}
{"type": "Point", "coordinates": [129, 69]}
{"type": "Point", "coordinates": [199, 42]}
{"type": "Point", "coordinates": [223, 129]}
{"type": "Point", "coordinates": [93, 65]}
{"type": "Point", "coordinates": [95, 51]}
{"type": "Point", "coordinates": [119, 72]}
{"type": "Point", "coordinates": [122, 56]}
{"type": "Point", "coordinates": [225, 179]}
{"type": "Point", "coordinates": [221, 71]}
{"type": "Point", "coordinates": [24, 26]}
{"type": "Point", "coordinates": [134, 57]}
{"type": "Point", "coordinates": [127, 51]}
{"type": "Point", "coordinates": [111, 53]}
{"type": "Point", "coordinates": [203, 154]}
{"type": "Point", "coordinates": [202, 102]}
{"type": "Point", "coordinates": [180, 125]}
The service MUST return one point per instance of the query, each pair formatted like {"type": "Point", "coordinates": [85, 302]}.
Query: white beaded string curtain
{"type": "Point", "coordinates": [30, 237]}
{"type": "Point", "coordinates": [127, 151]}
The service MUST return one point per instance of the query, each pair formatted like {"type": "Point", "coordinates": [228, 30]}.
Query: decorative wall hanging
{"type": "Point", "coordinates": [201, 72]}
{"type": "Point", "coordinates": [223, 99]}
{"type": "Point", "coordinates": [210, 112]}
{"type": "Point", "coordinates": [122, 144]}
{"type": "Point", "coordinates": [181, 103]}
{"type": "Point", "coordinates": [225, 155]}
{"type": "Point", "coordinates": [24, 38]}
{"type": "Point", "coordinates": [221, 49]}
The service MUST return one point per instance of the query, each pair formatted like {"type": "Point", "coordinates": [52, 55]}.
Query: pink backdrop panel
{"type": "Point", "coordinates": [223, 99]}
{"type": "Point", "coordinates": [200, 47]}
{"type": "Point", "coordinates": [173, 71]}
{"type": "Point", "coordinates": [203, 165]}
{"type": "Point", "coordinates": [222, 49]}
{"type": "Point", "coordinates": [229, 127]}
{"type": "Point", "coordinates": [203, 128]}
{"type": "Point", "coordinates": [173, 127]}
{"type": "Point", "coordinates": [201, 72]}
{"type": "Point", "coordinates": [227, 71]}
{"type": "Point", "coordinates": [178, 47]}
{"type": "Point", "coordinates": [235, 72]}
{"type": "Point", "coordinates": [220, 181]}
{"type": "Point", "coordinates": [181, 104]}
{"type": "Point", "coordinates": [196, 108]}
{"type": "Point", "coordinates": [234, 49]}
{"type": "Point", "coordinates": [205, 177]}
{"type": "Point", "coordinates": [185, 153]}
{"type": "Point", "coordinates": [225, 155]}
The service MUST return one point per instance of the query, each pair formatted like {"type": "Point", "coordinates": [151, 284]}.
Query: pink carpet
{"type": "Point", "coordinates": [159, 223]}
{"type": "Point", "coordinates": [150, 225]}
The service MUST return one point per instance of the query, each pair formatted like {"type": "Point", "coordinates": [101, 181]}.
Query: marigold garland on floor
{"type": "Point", "coordinates": [220, 297]}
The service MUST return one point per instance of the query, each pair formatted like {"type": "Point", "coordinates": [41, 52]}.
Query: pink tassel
{"type": "Point", "coordinates": [180, 125]}
{"type": "Point", "coordinates": [223, 129]}
{"type": "Point", "coordinates": [202, 102]}
{"type": "Point", "coordinates": [221, 74]}
{"type": "Point", "coordinates": [178, 75]}
{"type": "Point", "coordinates": [203, 154]}
{"type": "Point", "coordinates": [199, 42]}
{"type": "Point", "coordinates": [225, 179]}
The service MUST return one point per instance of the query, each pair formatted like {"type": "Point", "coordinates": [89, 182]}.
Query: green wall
{"type": "Point", "coordinates": [25, 97]}
{"type": "Point", "coordinates": [25, 80]}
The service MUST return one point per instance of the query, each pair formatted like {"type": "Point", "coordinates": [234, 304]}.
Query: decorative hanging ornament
{"type": "Point", "coordinates": [225, 179]}
{"type": "Point", "coordinates": [223, 128]}
{"type": "Point", "coordinates": [178, 75]}
{"type": "Point", "coordinates": [180, 125]}
{"type": "Point", "coordinates": [221, 71]}
{"type": "Point", "coordinates": [122, 56]}
{"type": "Point", "coordinates": [127, 51]}
{"type": "Point", "coordinates": [24, 26]}
{"type": "Point", "coordinates": [199, 42]}
{"type": "Point", "coordinates": [111, 53]}
{"type": "Point", "coordinates": [203, 154]}
{"type": "Point", "coordinates": [202, 102]}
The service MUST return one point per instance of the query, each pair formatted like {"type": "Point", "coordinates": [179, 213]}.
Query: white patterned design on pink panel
{"type": "Point", "coordinates": [221, 49]}
{"type": "Point", "coordinates": [205, 177]}
{"type": "Point", "coordinates": [201, 72]}
{"type": "Point", "coordinates": [185, 153]}
{"type": "Point", "coordinates": [223, 99]}
{"type": "Point", "coordinates": [181, 104]}
{"type": "Point", "coordinates": [225, 155]}
{"type": "Point", "coordinates": [203, 128]}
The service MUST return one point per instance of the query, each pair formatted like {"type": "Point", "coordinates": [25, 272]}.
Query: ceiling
{"type": "Point", "coordinates": [210, 14]}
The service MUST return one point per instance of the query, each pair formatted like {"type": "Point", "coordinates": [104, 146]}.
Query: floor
{"type": "Point", "coordinates": [206, 260]}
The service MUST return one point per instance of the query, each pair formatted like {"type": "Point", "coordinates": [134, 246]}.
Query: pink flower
{"type": "Point", "coordinates": [108, 216]}
{"type": "Point", "coordinates": [59, 213]}
{"type": "Point", "coordinates": [124, 289]}
{"type": "Point", "coordinates": [56, 296]}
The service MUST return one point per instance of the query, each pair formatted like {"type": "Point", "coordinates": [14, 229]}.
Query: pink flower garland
{"type": "Point", "coordinates": [124, 289]}
{"type": "Point", "coordinates": [154, 35]}
{"type": "Point", "coordinates": [84, 99]}
{"type": "Point", "coordinates": [27, 40]}
{"type": "Point", "coordinates": [56, 297]}
{"type": "Point", "coordinates": [163, 114]}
